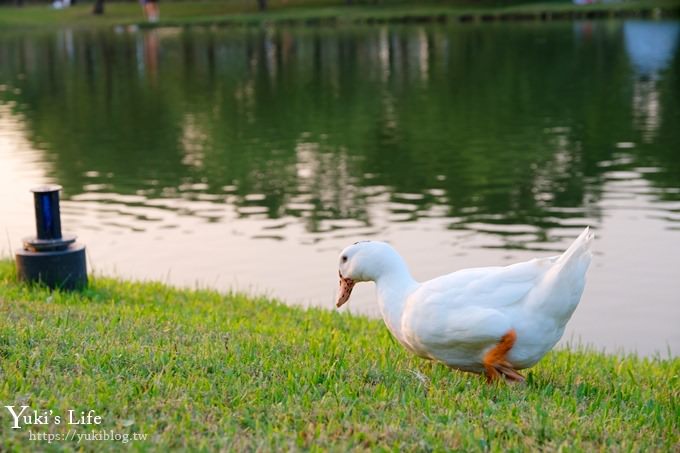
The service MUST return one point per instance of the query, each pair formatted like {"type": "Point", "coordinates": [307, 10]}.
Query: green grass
{"type": "Point", "coordinates": [244, 12]}
{"type": "Point", "coordinates": [202, 370]}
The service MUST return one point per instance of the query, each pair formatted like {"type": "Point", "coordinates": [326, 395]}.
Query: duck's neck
{"type": "Point", "coordinates": [394, 287]}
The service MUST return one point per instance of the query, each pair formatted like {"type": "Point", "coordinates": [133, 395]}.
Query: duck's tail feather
{"type": "Point", "coordinates": [580, 248]}
{"type": "Point", "coordinates": [560, 290]}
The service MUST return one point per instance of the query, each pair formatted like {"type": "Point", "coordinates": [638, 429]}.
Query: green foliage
{"type": "Point", "coordinates": [201, 370]}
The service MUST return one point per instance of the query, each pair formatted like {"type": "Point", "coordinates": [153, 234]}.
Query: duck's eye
{"type": "Point", "coordinates": [344, 258]}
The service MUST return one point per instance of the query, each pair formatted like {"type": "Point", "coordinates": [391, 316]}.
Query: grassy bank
{"type": "Point", "coordinates": [200, 370]}
{"type": "Point", "coordinates": [305, 12]}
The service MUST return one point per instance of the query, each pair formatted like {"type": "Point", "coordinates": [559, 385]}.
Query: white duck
{"type": "Point", "coordinates": [492, 320]}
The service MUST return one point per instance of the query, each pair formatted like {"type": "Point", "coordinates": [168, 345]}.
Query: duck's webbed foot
{"type": "Point", "coordinates": [509, 372]}
{"type": "Point", "coordinates": [495, 363]}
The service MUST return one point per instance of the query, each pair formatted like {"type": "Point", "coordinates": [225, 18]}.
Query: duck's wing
{"type": "Point", "coordinates": [484, 287]}
{"type": "Point", "coordinates": [451, 316]}
{"type": "Point", "coordinates": [467, 309]}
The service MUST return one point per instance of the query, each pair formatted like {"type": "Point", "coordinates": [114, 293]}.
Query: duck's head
{"type": "Point", "coordinates": [364, 261]}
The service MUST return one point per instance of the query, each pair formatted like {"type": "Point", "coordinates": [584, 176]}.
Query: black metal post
{"type": "Point", "coordinates": [51, 257]}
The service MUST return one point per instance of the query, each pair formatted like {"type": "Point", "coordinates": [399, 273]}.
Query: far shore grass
{"type": "Point", "coordinates": [203, 371]}
{"type": "Point", "coordinates": [322, 12]}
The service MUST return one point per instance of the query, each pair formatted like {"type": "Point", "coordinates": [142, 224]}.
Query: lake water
{"type": "Point", "coordinates": [249, 158]}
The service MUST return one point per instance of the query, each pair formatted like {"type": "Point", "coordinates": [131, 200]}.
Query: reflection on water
{"type": "Point", "coordinates": [250, 158]}
{"type": "Point", "coordinates": [651, 47]}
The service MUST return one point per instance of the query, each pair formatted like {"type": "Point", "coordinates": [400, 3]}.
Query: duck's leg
{"type": "Point", "coordinates": [495, 362]}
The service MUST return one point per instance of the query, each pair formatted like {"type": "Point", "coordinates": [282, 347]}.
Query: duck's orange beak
{"type": "Point", "coordinates": [346, 285]}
